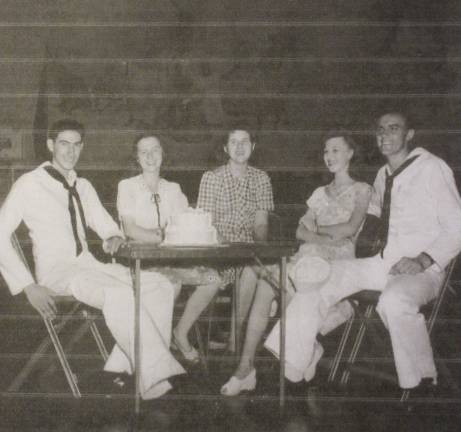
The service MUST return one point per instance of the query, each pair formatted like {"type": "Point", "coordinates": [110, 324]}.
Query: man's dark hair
{"type": "Point", "coordinates": [65, 125]}
{"type": "Point", "coordinates": [408, 120]}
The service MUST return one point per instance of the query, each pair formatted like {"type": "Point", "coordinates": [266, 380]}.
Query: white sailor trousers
{"type": "Point", "coordinates": [398, 306]}
{"type": "Point", "coordinates": [109, 287]}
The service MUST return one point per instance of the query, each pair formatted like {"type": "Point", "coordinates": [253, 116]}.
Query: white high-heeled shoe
{"type": "Point", "coordinates": [192, 355]}
{"type": "Point", "coordinates": [235, 386]}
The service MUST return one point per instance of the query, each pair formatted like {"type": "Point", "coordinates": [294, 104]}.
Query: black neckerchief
{"type": "Point", "coordinates": [386, 210]}
{"type": "Point", "coordinates": [73, 193]}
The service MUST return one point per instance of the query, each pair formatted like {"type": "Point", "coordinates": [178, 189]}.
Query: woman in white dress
{"type": "Point", "coordinates": [145, 204]}
{"type": "Point", "coordinates": [328, 229]}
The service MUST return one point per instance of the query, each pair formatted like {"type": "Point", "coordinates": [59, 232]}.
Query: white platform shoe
{"type": "Point", "coordinates": [235, 386]}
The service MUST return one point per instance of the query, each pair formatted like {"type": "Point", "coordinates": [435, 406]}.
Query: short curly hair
{"type": "Point", "coordinates": [146, 134]}
{"type": "Point", "coordinates": [64, 125]}
{"type": "Point", "coordinates": [349, 140]}
{"type": "Point", "coordinates": [341, 133]}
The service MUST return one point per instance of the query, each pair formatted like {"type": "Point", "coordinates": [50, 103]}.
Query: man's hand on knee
{"type": "Point", "coordinates": [41, 299]}
{"type": "Point", "coordinates": [405, 265]}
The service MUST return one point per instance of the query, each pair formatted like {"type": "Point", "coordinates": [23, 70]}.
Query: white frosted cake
{"type": "Point", "coordinates": [192, 227]}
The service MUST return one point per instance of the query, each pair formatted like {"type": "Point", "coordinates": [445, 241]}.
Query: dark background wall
{"type": "Point", "coordinates": [193, 69]}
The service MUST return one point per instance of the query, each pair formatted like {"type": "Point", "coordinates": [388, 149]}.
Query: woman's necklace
{"type": "Point", "coordinates": [336, 190]}
{"type": "Point", "coordinates": [155, 197]}
{"type": "Point", "coordinates": [156, 200]}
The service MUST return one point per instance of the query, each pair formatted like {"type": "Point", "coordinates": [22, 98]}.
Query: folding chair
{"type": "Point", "coordinates": [364, 304]}
{"type": "Point", "coordinates": [54, 327]}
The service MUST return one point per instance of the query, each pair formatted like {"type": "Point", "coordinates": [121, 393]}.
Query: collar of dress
{"type": "Point", "coordinates": [146, 188]}
{"type": "Point", "coordinates": [247, 175]}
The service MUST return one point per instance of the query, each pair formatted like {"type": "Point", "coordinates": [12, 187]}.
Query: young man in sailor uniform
{"type": "Point", "coordinates": [57, 207]}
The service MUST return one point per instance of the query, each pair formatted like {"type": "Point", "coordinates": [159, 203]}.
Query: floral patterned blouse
{"type": "Point", "coordinates": [328, 210]}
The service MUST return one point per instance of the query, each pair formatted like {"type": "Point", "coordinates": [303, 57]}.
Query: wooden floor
{"type": "Point", "coordinates": [208, 412]}
{"type": "Point", "coordinates": [368, 403]}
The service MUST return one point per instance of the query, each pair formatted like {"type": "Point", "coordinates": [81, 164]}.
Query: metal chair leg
{"type": "Point", "coordinates": [53, 330]}
{"type": "Point", "coordinates": [70, 376]}
{"type": "Point", "coordinates": [52, 338]}
{"type": "Point", "coordinates": [357, 344]}
{"type": "Point", "coordinates": [97, 337]}
{"type": "Point", "coordinates": [340, 351]}
{"type": "Point", "coordinates": [21, 377]}
{"type": "Point", "coordinates": [70, 344]}
{"type": "Point", "coordinates": [88, 325]}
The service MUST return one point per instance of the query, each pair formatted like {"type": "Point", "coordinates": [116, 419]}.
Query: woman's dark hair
{"type": "Point", "coordinates": [141, 136]}
{"type": "Point", "coordinates": [65, 125]}
{"type": "Point", "coordinates": [250, 133]}
{"type": "Point", "coordinates": [345, 135]}
{"type": "Point", "coordinates": [348, 139]}
{"type": "Point", "coordinates": [221, 155]}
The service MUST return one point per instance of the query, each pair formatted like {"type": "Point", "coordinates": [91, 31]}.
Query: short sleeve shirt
{"type": "Point", "coordinates": [136, 200]}
{"type": "Point", "coordinates": [234, 201]}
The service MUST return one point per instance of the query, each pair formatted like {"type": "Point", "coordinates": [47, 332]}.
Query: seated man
{"type": "Point", "coordinates": [420, 209]}
{"type": "Point", "coordinates": [57, 206]}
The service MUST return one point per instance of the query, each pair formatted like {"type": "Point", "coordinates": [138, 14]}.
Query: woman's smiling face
{"type": "Point", "coordinates": [239, 146]}
{"type": "Point", "coordinates": [149, 154]}
{"type": "Point", "coordinates": [337, 154]}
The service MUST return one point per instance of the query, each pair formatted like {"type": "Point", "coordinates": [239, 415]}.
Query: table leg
{"type": "Point", "coordinates": [135, 275]}
{"type": "Point", "coordinates": [283, 278]}
{"type": "Point", "coordinates": [236, 317]}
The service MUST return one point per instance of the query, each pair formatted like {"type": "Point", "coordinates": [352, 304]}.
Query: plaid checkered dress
{"type": "Point", "coordinates": [233, 202]}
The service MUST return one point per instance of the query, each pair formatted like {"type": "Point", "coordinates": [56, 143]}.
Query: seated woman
{"type": "Point", "coordinates": [239, 197]}
{"type": "Point", "coordinates": [145, 204]}
{"type": "Point", "coordinates": [328, 229]}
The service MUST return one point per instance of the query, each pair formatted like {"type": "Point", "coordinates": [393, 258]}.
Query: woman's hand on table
{"type": "Point", "coordinates": [308, 222]}
{"type": "Point", "coordinates": [141, 234]}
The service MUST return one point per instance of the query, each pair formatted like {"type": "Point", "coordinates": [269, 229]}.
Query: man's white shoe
{"type": "Point", "coordinates": [235, 386]}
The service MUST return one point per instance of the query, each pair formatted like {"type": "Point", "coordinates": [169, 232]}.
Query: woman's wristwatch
{"type": "Point", "coordinates": [425, 260]}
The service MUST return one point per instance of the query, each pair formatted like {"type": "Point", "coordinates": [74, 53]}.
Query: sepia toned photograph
{"type": "Point", "coordinates": [228, 215]}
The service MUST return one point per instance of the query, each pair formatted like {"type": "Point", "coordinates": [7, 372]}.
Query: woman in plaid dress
{"type": "Point", "coordinates": [239, 197]}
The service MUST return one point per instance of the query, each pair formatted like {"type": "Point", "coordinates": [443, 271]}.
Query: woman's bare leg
{"type": "Point", "coordinates": [257, 323]}
{"type": "Point", "coordinates": [195, 305]}
{"type": "Point", "coordinates": [246, 291]}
